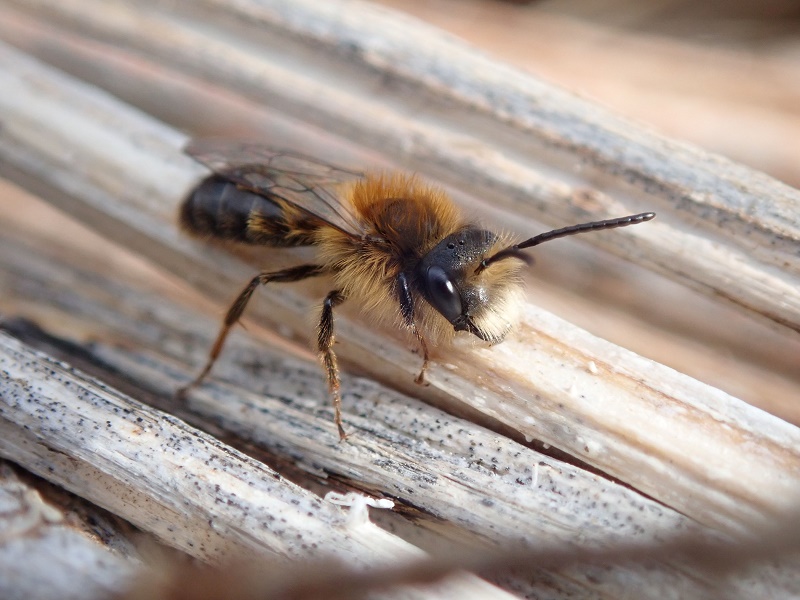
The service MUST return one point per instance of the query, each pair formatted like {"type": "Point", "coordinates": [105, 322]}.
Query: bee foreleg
{"type": "Point", "coordinates": [325, 341]}
{"type": "Point", "coordinates": [407, 311]}
{"type": "Point", "coordinates": [238, 306]}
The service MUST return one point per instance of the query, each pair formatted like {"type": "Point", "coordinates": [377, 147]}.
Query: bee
{"type": "Point", "coordinates": [396, 246]}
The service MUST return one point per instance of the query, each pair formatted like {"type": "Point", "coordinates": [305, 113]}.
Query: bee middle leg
{"type": "Point", "coordinates": [407, 311]}
{"type": "Point", "coordinates": [325, 340]}
{"type": "Point", "coordinates": [237, 308]}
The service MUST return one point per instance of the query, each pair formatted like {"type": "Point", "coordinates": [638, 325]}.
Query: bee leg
{"type": "Point", "coordinates": [407, 310]}
{"type": "Point", "coordinates": [237, 308]}
{"type": "Point", "coordinates": [325, 341]}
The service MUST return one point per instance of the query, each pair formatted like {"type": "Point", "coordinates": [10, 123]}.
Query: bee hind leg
{"type": "Point", "coordinates": [237, 308]}
{"type": "Point", "coordinates": [325, 340]}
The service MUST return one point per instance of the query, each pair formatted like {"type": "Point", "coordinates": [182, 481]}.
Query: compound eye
{"type": "Point", "coordinates": [442, 293]}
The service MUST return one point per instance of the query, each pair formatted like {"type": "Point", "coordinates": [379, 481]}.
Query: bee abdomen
{"type": "Point", "coordinates": [220, 209]}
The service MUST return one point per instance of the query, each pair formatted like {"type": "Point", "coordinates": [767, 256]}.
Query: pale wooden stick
{"type": "Point", "coordinates": [475, 484]}
{"type": "Point", "coordinates": [661, 432]}
{"type": "Point", "coordinates": [715, 342]}
{"type": "Point", "coordinates": [184, 486]}
{"type": "Point", "coordinates": [740, 351]}
{"type": "Point", "coordinates": [483, 126]}
{"type": "Point", "coordinates": [39, 534]}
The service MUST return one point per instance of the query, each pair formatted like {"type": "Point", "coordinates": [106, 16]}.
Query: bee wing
{"type": "Point", "coordinates": [300, 180]}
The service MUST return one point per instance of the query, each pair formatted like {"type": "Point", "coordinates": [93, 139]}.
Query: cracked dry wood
{"type": "Point", "coordinates": [448, 112]}
{"type": "Point", "coordinates": [187, 488]}
{"type": "Point", "coordinates": [87, 556]}
{"type": "Point", "coordinates": [460, 481]}
{"type": "Point", "coordinates": [738, 351]}
{"type": "Point", "coordinates": [124, 174]}
{"type": "Point", "coordinates": [694, 448]}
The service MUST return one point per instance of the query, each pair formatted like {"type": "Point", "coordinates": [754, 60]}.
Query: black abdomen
{"type": "Point", "coordinates": [218, 208]}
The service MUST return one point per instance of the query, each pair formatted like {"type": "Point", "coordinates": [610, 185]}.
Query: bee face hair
{"type": "Point", "coordinates": [484, 303]}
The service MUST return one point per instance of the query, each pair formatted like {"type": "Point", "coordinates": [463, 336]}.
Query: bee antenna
{"type": "Point", "coordinates": [513, 251]}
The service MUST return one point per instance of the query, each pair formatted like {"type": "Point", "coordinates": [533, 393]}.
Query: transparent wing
{"type": "Point", "coordinates": [300, 180]}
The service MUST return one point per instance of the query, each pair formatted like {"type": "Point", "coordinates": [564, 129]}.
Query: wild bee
{"type": "Point", "coordinates": [396, 246]}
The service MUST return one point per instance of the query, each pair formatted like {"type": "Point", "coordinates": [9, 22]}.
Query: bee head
{"type": "Point", "coordinates": [472, 279]}
{"type": "Point", "coordinates": [482, 301]}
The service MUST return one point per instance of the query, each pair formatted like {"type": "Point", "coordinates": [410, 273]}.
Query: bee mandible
{"type": "Point", "coordinates": [394, 245]}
